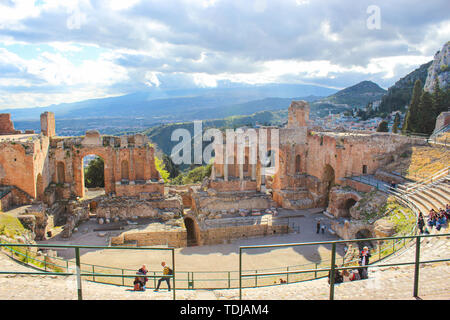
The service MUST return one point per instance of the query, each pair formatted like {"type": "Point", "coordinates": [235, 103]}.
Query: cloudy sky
{"type": "Point", "coordinates": [54, 51]}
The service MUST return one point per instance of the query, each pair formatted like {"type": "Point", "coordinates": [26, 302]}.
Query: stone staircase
{"type": "Point", "coordinates": [430, 193]}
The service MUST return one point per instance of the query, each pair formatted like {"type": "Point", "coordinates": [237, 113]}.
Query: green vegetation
{"type": "Point", "coordinates": [403, 218]}
{"type": "Point", "coordinates": [94, 174]}
{"type": "Point", "coordinates": [161, 168]}
{"type": "Point", "coordinates": [383, 126]}
{"type": "Point", "coordinates": [195, 175]}
{"type": "Point", "coordinates": [10, 226]}
{"type": "Point", "coordinates": [424, 109]}
{"type": "Point", "coordinates": [395, 126]}
{"type": "Point", "coordinates": [399, 95]}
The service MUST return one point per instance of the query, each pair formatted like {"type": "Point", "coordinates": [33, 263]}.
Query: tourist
{"type": "Point", "coordinates": [166, 272]}
{"type": "Point", "coordinates": [139, 282]}
{"type": "Point", "coordinates": [420, 222]}
{"type": "Point", "coordinates": [318, 226]}
{"type": "Point", "coordinates": [364, 261]}
{"type": "Point", "coordinates": [355, 275]}
{"type": "Point", "coordinates": [346, 276]}
{"type": "Point", "coordinates": [144, 271]}
{"type": "Point", "coordinates": [337, 276]}
{"type": "Point", "coordinates": [323, 229]}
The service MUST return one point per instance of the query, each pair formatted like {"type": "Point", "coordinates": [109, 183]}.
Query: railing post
{"type": "Point", "coordinates": [287, 275]}
{"type": "Point", "coordinates": [256, 279]}
{"type": "Point", "coordinates": [93, 271]}
{"type": "Point", "coordinates": [416, 269]}
{"type": "Point", "coordinates": [332, 271]}
{"type": "Point", "coordinates": [78, 264]}
{"type": "Point", "coordinates": [229, 280]}
{"type": "Point", "coordinates": [173, 275]}
{"type": "Point", "coordinates": [123, 278]}
{"type": "Point", "coordinates": [315, 272]}
{"type": "Point", "coordinates": [240, 273]}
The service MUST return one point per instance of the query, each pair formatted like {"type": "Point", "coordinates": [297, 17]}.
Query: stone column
{"type": "Point", "coordinates": [253, 172]}
{"type": "Point", "coordinates": [241, 172]}
{"type": "Point", "coordinates": [225, 171]}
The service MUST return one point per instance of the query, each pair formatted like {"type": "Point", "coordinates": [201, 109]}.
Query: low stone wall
{"type": "Point", "coordinates": [174, 238]}
{"type": "Point", "coordinates": [13, 198]}
{"type": "Point", "coordinates": [129, 207]}
{"type": "Point", "coordinates": [233, 185]}
{"type": "Point", "coordinates": [133, 189]}
{"type": "Point", "coordinates": [221, 235]}
{"type": "Point", "coordinates": [358, 186]}
{"type": "Point", "coordinates": [229, 202]}
{"type": "Point", "coordinates": [178, 238]}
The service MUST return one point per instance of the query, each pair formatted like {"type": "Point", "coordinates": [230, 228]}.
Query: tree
{"type": "Point", "coordinates": [396, 123]}
{"type": "Point", "coordinates": [94, 174]}
{"type": "Point", "coordinates": [412, 119]}
{"type": "Point", "coordinates": [439, 101]}
{"type": "Point", "coordinates": [383, 126]}
{"type": "Point", "coordinates": [160, 167]}
{"type": "Point", "coordinates": [427, 117]}
{"type": "Point", "coordinates": [171, 167]}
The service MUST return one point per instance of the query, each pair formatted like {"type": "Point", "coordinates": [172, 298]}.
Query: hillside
{"type": "Point", "coordinates": [161, 135]}
{"type": "Point", "coordinates": [439, 70]}
{"type": "Point", "coordinates": [399, 95]}
{"type": "Point", "coordinates": [357, 95]}
{"type": "Point", "coordinates": [180, 105]}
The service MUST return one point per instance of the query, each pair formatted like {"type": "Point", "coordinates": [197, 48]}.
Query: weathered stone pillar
{"type": "Point", "coordinates": [225, 171]}
{"type": "Point", "coordinates": [253, 172]}
{"type": "Point", "coordinates": [241, 172]}
{"type": "Point", "coordinates": [213, 173]}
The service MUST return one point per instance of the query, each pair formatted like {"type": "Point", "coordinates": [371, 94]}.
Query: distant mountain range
{"type": "Point", "coordinates": [180, 105]}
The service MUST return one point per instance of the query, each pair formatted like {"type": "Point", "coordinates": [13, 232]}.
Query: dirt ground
{"type": "Point", "coordinates": [215, 258]}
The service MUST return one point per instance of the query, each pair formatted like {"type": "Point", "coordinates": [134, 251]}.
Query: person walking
{"type": "Point", "coordinates": [364, 261]}
{"type": "Point", "coordinates": [420, 222]}
{"type": "Point", "coordinates": [318, 226]}
{"type": "Point", "coordinates": [166, 272]}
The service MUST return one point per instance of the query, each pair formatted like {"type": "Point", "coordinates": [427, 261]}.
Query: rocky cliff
{"type": "Point", "coordinates": [439, 69]}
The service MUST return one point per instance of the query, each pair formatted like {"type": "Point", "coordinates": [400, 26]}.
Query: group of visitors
{"type": "Point", "coordinates": [435, 219]}
{"type": "Point", "coordinates": [353, 274]}
{"type": "Point", "coordinates": [140, 280]}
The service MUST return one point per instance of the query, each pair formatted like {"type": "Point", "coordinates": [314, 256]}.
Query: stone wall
{"type": "Point", "coordinates": [6, 125]}
{"type": "Point", "coordinates": [178, 238]}
{"type": "Point", "coordinates": [129, 207]}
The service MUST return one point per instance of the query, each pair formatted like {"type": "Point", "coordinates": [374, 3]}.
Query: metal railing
{"type": "Point", "coordinates": [79, 272]}
{"type": "Point", "coordinates": [333, 266]}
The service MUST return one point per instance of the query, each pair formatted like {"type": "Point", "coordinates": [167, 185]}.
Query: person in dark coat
{"type": "Point", "coordinates": [364, 261]}
{"type": "Point", "coordinates": [420, 222]}
{"type": "Point", "coordinates": [318, 226]}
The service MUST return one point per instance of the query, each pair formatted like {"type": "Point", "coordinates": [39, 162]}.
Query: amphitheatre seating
{"type": "Point", "coordinates": [430, 193]}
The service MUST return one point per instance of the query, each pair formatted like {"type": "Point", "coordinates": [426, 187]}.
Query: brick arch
{"type": "Point", "coordinates": [60, 172]}
{"type": "Point", "coordinates": [328, 180]}
{"type": "Point", "coordinates": [346, 204]}
{"type": "Point", "coordinates": [78, 172]}
{"type": "Point", "coordinates": [193, 237]}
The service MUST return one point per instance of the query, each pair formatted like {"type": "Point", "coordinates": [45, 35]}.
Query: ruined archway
{"type": "Point", "coordinates": [124, 170]}
{"type": "Point", "coordinates": [40, 187]}
{"type": "Point", "coordinates": [94, 175]}
{"type": "Point", "coordinates": [348, 204]}
{"type": "Point", "coordinates": [60, 172]}
{"type": "Point", "coordinates": [192, 232]}
{"type": "Point", "coordinates": [298, 164]}
{"type": "Point", "coordinates": [364, 234]}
